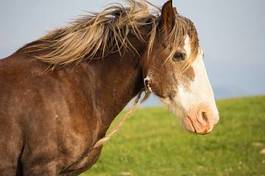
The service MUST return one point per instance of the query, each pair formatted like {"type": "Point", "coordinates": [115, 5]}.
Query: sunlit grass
{"type": "Point", "coordinates": [152, 143]}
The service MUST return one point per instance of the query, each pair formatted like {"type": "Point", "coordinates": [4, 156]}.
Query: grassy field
{"type": "Point", "coordinates": [152, 143]}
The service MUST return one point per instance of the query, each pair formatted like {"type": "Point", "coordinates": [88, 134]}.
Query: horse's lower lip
{"type": "Point", "coordinates": [189, 125]}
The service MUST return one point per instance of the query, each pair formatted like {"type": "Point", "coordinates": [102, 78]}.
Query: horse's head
{"type": "Point", "coordinates": [175, 72]}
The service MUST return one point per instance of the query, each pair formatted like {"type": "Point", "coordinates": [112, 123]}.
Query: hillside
{"type": "Point", "coordinates": [152, 143]}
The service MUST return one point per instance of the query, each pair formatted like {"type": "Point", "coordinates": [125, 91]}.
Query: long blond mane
{"type": "Point", "coordinates": [97, 35]}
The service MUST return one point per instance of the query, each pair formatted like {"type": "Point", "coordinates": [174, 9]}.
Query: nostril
{"type": "Point", "coordinates": [204, 116]}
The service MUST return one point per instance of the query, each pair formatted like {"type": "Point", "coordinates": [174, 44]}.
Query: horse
{"type": "Point", "coordinates": [60, 93]}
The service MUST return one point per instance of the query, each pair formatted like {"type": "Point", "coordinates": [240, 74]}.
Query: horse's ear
{"type": "Point", "coordinates": [168, 16]}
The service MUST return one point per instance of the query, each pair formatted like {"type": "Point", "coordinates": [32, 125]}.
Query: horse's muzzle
{"type": "Point", "coordinates": [200, 122]}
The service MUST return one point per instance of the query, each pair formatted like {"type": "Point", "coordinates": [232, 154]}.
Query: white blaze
{"type": "Point", "coordinates": [198, 92]}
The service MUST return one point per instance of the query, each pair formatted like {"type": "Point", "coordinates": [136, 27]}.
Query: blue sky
{"type": "Point", "coordinates": [232, 33]}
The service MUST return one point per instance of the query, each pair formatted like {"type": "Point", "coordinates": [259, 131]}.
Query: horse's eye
{"type": "Point", "coordinates": [179, 57]}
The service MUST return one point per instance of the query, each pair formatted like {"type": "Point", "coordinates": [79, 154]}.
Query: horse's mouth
{"type": "Point", "coordinates": [194, 126]}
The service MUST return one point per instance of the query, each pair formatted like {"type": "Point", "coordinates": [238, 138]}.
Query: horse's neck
{"type": "Point", "coordinates": [117, 81]}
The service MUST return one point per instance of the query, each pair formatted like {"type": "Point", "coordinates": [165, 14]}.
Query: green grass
{"type": "Point", "coordinates": [152, 143]}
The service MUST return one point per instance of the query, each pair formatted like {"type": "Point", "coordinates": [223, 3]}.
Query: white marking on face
{"type": "Point", "coordinates": [187, 46]}
{"type": "Point", "coordinates": [197, 93]}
